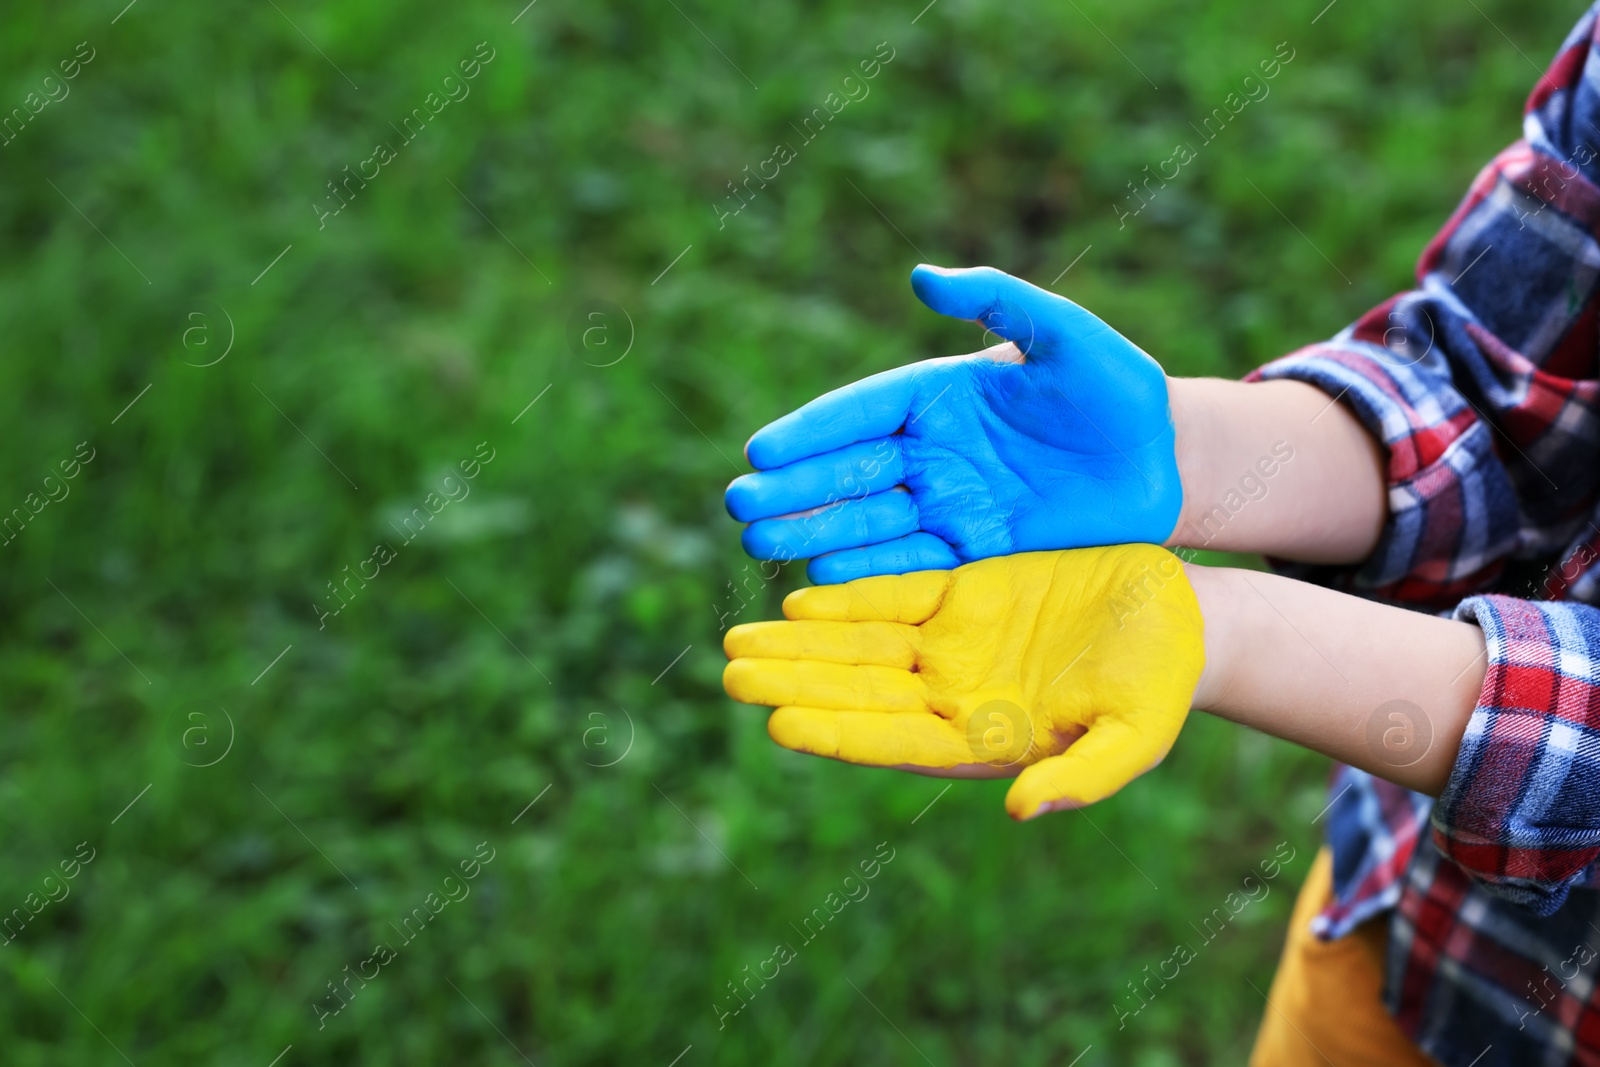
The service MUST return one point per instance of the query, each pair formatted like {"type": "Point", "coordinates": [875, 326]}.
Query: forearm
{"type": "Point", "coordinates": [1380, 688]}
{"type": "Point", "coordinates": [1275, 467]}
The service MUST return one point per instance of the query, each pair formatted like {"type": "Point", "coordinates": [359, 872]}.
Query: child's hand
{"type": "Point", "coordinates": [1061, 439]}
{"type": "Point", "coordinates": [989, 670]}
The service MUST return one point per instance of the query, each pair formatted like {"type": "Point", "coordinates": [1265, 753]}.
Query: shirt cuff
{"type": "Point", "coordinates": [1521, 811]}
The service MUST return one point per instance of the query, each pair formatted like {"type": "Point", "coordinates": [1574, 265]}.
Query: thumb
{"type": "Point", "coordinates": [1113, 753]}
{"type": "Point", "coordinates": [1038, 322]}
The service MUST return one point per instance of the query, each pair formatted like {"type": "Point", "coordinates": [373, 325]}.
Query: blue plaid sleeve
{"type": "Point", "coordinates": [1521, 811]}
{"type": "Point", "coordinates": [1481, 382]}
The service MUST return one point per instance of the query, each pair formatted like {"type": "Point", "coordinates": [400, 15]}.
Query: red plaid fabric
{"type": "Point", "coordinates": [1483, 383]}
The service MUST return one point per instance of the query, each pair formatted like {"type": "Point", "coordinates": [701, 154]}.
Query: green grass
{"type": "Point", "coordinates": [490, 659]}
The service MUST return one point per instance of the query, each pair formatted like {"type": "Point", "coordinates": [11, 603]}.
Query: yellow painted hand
{"type": "Point", "coordinates": [1071, 670]}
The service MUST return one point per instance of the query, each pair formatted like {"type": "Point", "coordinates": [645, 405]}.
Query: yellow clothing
{"type": "Point", "coordinates": [1325, 1006]}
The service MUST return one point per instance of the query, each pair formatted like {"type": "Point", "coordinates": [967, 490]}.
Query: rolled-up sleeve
{"type": "Point", "coordinates": [1521, 811]}
{"type": "Point", "coordinates": [1480, 382]}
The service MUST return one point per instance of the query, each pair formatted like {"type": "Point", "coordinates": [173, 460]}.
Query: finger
{"type": "Point", "coordinates": [871, 408]}
{"type": "Point", "coordinates": [1108, 757]}
{"type": "Point", "coordinates": [886, 644]}
{"type": "Point", "coordinates": [908, 598]}
{"type": "Point", "coordinates": [847, 524]}
{"type": "Point", "coordinates": [777, 682]}
{"type": "Point", "coordinates": [848, 473]}
{"type": "Point", "coordinates": [917, 552]}
{"type": "Point", "coordinates": [915, 742]}
{"type": "Point", "coordinates": [1038, 322]}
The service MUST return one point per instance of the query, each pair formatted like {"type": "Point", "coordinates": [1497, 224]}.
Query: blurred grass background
{"type": "Point", "coordinates": [504, 653]}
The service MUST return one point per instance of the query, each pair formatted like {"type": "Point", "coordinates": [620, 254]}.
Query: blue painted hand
{"type": "Point", "coordinates": [1060, 438]}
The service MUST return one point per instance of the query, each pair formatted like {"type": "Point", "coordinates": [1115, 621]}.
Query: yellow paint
{"type": "Point", "coordinates": [1080, 667]}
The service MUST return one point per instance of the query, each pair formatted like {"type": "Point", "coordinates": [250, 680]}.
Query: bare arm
{"type": "Point", "coordinates": [1324, 503]}
{"type": "Point", "coordinates": [1380, 688]}
{"type": "Point", "coordinates": [1281, 467]}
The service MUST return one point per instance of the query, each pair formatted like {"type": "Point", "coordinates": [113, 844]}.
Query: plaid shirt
{"type": "Point", "coordinates": [1483, 385]}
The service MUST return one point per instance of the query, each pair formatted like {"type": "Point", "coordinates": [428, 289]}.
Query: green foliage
{"type": "Point", "coordinates": [501, 655]}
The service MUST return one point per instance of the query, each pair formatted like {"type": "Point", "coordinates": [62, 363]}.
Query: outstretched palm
{"type": "Point", "coordinates": [1060, 438]}
{"type": "Point", "coordinates": [1071, 670]}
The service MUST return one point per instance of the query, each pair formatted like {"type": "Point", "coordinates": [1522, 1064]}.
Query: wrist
{"type": "Point", "coordinates": [1194, 437]}
{"type": "Point", "coordinates": [1214, 591]}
